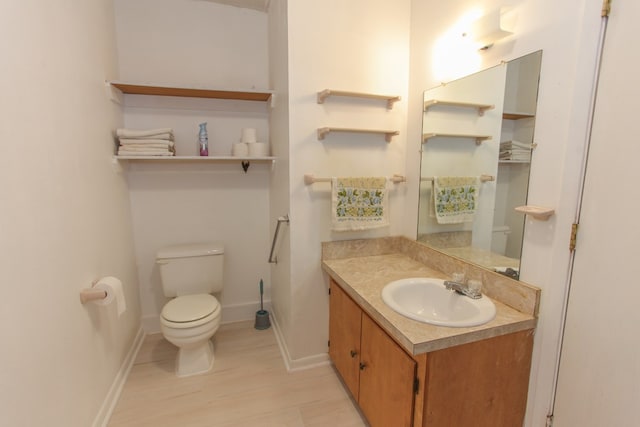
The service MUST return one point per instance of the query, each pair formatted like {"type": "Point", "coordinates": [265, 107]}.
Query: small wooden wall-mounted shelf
{"type": "Point", "coordinates": [388, 134]}
{"type": "Point", "coordinates": [478, 138]}
{"type": "Point", "coordinates": [480, 107]}
{"type": "Point", "coordinates": [512, 115]}
{"type": "Point", "coordinates": [244, 161]}
{"type": "Point", "coordinates": [138, 89]}
{"type": "Point", "coordinates": [537, 212]}
{"type": "Point", "coordinates": [324, 94]}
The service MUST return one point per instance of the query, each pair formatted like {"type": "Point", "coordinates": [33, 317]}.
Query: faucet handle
{"type": "Point", "coordinates": [475, 286]}
{"type": "Point", "coordinates": [457, 277]}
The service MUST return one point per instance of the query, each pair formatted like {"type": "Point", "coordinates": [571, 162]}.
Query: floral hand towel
{"type": "Point", "coordinates": [456, 198]}
{"type": "Point", "coordinates": [359, 203]}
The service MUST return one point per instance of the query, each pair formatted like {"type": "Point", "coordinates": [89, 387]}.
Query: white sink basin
{"type": "Point", "coordinates": [427, 300]}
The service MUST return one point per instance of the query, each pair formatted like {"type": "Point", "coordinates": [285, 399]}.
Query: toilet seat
{"type": "Point", "coordinates": [189, 311]}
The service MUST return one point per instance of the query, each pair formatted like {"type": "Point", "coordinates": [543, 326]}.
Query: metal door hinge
{"type": "Point", "coordinates": [549, 420]}
{"type": "Point", "coordinates": [574, 236]}
{"type": "Point", "coordinates": [606, 8]}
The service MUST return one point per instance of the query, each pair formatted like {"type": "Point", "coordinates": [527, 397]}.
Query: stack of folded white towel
{"type": "Point", "coordinates": [146, 142]}
{"type": "Point", "coordinates": [515, 150]}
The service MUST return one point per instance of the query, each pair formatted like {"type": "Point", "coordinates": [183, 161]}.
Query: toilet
{"type": "Point", "coordinates": [499, 239]}
{"type": "Point", "coordinates": [190, 273]}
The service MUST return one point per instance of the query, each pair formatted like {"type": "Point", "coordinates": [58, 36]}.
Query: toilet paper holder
{"type": "Point", "coordinates": [88, 295]}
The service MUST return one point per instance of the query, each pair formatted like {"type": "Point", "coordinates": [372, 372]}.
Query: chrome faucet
{"type": "Point", "coordinates": [462, 289]}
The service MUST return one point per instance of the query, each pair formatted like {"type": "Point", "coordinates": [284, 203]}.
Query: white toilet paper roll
{"type": "Point", "coordinates": [258, 149]}
{"type": "Point", "coordinates": [240, 149]}
{"type": "Point", "coordinates": [113, 287]}
{"type": "Point", "coordinates": [249, 135]}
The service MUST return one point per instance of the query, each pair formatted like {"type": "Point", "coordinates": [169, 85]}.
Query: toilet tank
{"type": "Point", "coordinates": [499, 239]}
{"type": "Point", "coordinates": [194, 268]}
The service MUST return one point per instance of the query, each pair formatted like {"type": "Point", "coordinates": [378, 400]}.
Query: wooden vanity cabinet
{"type": "Point", "coordinates": [345, 325]}
{"type": "Point", "coordinates": [478, 384]}
{"type": "Point", "coordinates": [377, 371]}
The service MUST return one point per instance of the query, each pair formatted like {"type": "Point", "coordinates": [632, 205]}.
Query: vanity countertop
{"type": "Point", "coordinates": [363, 278]}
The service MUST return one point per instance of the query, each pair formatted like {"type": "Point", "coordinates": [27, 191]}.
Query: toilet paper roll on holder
{"type": "Point", "coordinates": [90, 294]}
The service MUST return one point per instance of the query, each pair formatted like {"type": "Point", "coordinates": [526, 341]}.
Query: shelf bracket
{"type": "Point", "coordinates": [245, 165]}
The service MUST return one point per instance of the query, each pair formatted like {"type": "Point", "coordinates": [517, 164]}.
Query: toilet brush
{"type": "Point", "coordinates": [262, 315]}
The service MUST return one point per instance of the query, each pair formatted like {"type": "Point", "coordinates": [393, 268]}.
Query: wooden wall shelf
{"type": "Point", "coordinates": [510, 115]}
{"type": "Point", "coordinates": [244, 161]}
{"type": "Point", "coordinates": [388, 134]}
{"type": "Point", "coordinates": [536, 212]}
{"type": "Point", "coordinates": [140, 89]}
{"type": "Point", "coordinates": [324, 94]}
{"type": "Point", "coordinates": [478, 138]}
{"type": "Point", "coordinates": [480, 107]}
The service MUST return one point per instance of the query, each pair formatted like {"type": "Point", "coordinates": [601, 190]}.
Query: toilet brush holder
{"type": "Point", "coordinates": [262, 315]}
{"type": "Point", "coordinates": [262, 320]}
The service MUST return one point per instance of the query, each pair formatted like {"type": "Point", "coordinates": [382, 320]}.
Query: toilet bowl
{"type": "Point", "coordinates": [190, 273]}
{"type": "Point", "coordinates": [189, 322]}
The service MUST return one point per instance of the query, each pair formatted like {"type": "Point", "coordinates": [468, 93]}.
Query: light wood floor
{"type": "Point", "coordinates": [248, 386]}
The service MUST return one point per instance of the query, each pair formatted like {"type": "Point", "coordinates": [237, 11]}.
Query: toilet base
{"type": "Point", "coordinates": [195, 360]}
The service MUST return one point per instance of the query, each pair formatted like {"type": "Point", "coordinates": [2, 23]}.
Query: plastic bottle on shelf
{"type": "Point", "coordinates": [203, 140]}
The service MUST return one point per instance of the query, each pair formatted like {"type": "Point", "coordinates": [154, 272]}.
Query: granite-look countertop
{"type": "Point", "coordinates": [364, 277]}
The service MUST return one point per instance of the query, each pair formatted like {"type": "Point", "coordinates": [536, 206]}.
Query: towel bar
{"type": "Point", "coordinates": [309, 179]}
{"type": "Point", "coordinates": [483, 178]}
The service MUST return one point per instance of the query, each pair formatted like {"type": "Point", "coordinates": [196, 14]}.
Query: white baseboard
{"type": "Point", "coordinates": [151, 324]}
{"type": "Point", "coordinates": [230, 314]}
{"type": "Point", "coordinates": [110, 401]}
{"type": "Point", "coordinates": [240, 312]}
{"type": "Point", "coordinates": [296, 364]}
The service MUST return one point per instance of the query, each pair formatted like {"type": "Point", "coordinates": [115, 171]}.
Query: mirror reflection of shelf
{"type": "Point", "coordinates": [388, 134]}
{"type": "Point", "coordinates": [512, 115]}
{"type": "Point", "coordinates": [390, 99]}
{"type": "Point", "coordinates": [478, 138]}
{"type": "Point", "coordinates": [480, 107]}
{"type": "Point", "coordinates": [514, 162]}
{"type": "Point", "coordinates": [536, 212]}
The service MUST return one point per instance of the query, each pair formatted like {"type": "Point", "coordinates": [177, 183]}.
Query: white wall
{"type": "Point", "coordinates": [567, 33]}
{"type": "Point", "coordinates": [362, 46]}
{"type": "Point", "coordinates": [65, 219]}
{"type": "Point", "coordinates": [198, 44]}
{"type": "Point", "coordinates": [191, 43]}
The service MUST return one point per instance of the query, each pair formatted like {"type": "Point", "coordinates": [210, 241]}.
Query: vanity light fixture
{"type": "Point", "coordinates": [491, 27]}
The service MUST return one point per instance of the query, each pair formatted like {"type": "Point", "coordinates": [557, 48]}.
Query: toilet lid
{"type": "Point", "coordinates": [189, 308]}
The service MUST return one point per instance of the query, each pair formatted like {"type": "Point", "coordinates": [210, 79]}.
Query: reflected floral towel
{"type": "Point", "coordinates": [455, 198]}
{"type": "Point", "coordinates": [359, 203]}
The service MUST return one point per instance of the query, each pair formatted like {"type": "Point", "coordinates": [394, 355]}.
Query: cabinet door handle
{"type": "Point", "coordinates": [362, 366]}
{"type": "Point", "coordinates": [353, 353]}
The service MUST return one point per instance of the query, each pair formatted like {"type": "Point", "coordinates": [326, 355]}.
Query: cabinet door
{"type": "Point", "coordinates": [344, 337]}
{"type": "Point", "coordinates": [480, 384]}
{"type": "Point", "coordinates": [386, 378]}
